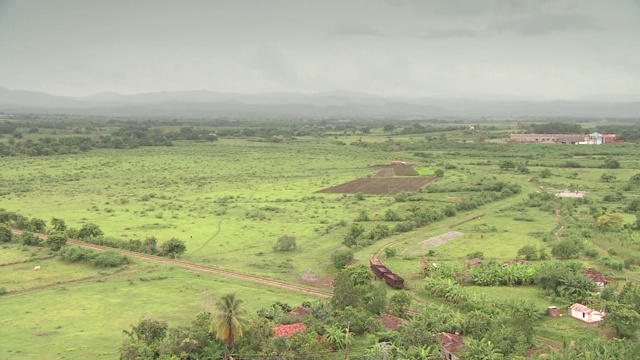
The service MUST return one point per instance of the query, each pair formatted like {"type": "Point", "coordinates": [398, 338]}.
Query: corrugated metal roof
{"type": "Point", "coordinates": [584, 309]}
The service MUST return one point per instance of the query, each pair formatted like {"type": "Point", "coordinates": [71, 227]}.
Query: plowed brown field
{"type": "Point", "coordinates": [380, 185]}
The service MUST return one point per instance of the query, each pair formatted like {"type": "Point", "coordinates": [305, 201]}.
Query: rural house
{"type": "Point", "coordinates": [585, 314]}
{"type": "Point", "coordinates": [452, 344]}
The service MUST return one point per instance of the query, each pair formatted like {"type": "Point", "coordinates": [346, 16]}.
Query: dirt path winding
{"type": "Point", "coordinates": [209, 239]}
{"type": "Point", "coordinates": [562, 226]}
{"type": "Point", "coordinates": [193, 266]}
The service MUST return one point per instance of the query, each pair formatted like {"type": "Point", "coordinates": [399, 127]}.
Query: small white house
{"type": "Point", "coordinates": [585, 314]}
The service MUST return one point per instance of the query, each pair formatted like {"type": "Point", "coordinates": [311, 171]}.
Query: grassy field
{"type": "Point", "coordinates": [232, 199]}
{"type": "Point", "coordinates": [84, 318]}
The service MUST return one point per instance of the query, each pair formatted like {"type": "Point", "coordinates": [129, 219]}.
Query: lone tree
{"type": "Point", "coordinates": [89, 231]}
{"type": "Point", "coordinates": [227, 320]}
{"type": "Point", "coordinates": [173, 247]}
{"type": "Point", "coordinates": [58, 224]}
{"type": "Point", "coordinates": [285, 243]}
{"type": "Point", "coordinates": [56, 241]}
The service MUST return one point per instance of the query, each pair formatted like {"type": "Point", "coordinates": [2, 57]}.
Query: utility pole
{"type": "Point", "coordinates": [346, 347]}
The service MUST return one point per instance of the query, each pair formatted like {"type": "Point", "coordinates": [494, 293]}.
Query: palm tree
{"type": "Point", "coordinates": [227, 320]}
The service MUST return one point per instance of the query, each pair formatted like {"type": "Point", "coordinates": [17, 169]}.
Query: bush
{"type": "Point", "coordinates": [591, 252]}
{"type": "Point", "coordinates": [342, 258]}
{"type": "Point", "coordinates": [110, 259]}
{"type": "Point", "coordinates": [27, 238]}
{"type": "Point", "coordinates": [390, 252]}
{"type": "Point", "coordinates": [565, 249]}
{"type": "Point", "coordinates": [475, 254]}
{"type": "Point", "coordinates": [285, 243]}
{"type": "Point", "coordinates": [528, 252]}
{"type": "Point", "coordinates": [628, 263]}
{"type": "Point", "coordinates": [5, 234]}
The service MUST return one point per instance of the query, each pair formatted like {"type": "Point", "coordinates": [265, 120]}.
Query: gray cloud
{"type": "Point", "coordinates": [354, 30]}
{"type": "Point", "coordinates": [544, 24]}
{"type": "Point", "coordinates": [525, 48]}
{"type": "Point", "coordinates": [453, 33]}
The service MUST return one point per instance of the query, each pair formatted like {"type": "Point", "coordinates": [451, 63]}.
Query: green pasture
{"type": "Point", "coordinates": [80, 320]}
{"type": "Point", "coordinates": [232, 199]}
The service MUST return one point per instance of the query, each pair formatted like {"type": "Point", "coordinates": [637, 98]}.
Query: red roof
{"type": "Point", "coordinates": [289, 330]}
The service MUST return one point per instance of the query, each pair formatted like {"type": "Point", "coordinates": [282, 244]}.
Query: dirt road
{"type": "Point", "coordinates": [192, 266]}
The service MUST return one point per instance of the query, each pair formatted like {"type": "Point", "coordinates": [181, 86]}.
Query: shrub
{"type": "Point", "coordinates": [342, 258]}
{"type": "Point", "coordinates": [591, 252]}
{"type": "Point", "coordinates": [565, 249]}
{"type": "Point", "coordinates": [5, 234]}
{"type": "Point", "coordinates": [628, 263]}
{"type": "Point", "coordinates": [390, 252]}
{"type": "Point", "coordinates": [285, 243]}
{"type": "Point", "coordinates": [391, 215]}
{"type": "Point", "coordinates": [27, 238]}
{"type": "Point", "coordinates": [110, 259]}
{"type": "Point", "coordinates": [475, 254]}
{"type": "Point", "coordinates": [528, 252]}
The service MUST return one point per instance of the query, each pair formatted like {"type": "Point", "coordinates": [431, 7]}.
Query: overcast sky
{"type": "Point", "coordinates": [558, 49]}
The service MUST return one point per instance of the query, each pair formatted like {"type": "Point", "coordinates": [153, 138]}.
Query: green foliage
{"type": "Point", "coordinates": [507, 165]}
{"type": "Point", "coordinates": [391, 215]}
{"type": "Point", "coordinates": [610, 163]}
{"type": "Point", "coordinates": [342, 258]}
{"type": "Point", "coordinates": [546, 173]}
{"type": "Point", "coordinates": [28, 239]}
{"type": "Point", "coordinates": [89, 231]}
{"type": "Point", "coordinates": [475, 254]}
{"type": "Point", "coordinates": [228, 320]}
{"type": "Point", "coordinates": [101, 259]}
{"type": "Point", "coordinates": [390, 252]}
{"type": "Point", "coordinates": [565, 249]}
{"type": "Point", "coordinates": [477, 324]}
{"type": "Point", "coordinates": [607, 177]}
{"type": "Point", "coordinates": [5, 234]}
{"type": "Point", "coordinates": [58, 224]}
{"type": "Point", "coordinates": [336, 336]}
{"type": "Point", "coordinates": [439, 173]}
{"type": "Point", "coordinates": [528, 252]}
{"type": "Point", "coordinates": [623, 318]}
{"type": "Point", "coordinates": [610, 222]}
{"type": "Point", "coordinates": [173, 248]}
{"type": "Point", "coordinates": [556, 128]}
{"type": "Point", "coordinates": [56, 241]}
{"type": "Point", "coordinates": [481, 350]}
{"type": "Point", "coordinates": [400, 303]}
{"type": "Point", "coordinates": [285, 243]}
{"type": "Point", "coordinates": [37, 225]}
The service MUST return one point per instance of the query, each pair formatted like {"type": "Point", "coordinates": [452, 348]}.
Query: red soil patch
{"type": "Point", "coordinates": [289, 330]}
{"type": "Point", "coordinates": [391, 322]}
{"type": "Point", "coordinates": [380, 185]}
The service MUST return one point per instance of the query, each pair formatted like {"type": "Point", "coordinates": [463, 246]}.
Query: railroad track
{"type": "Point", "coordinates": [192, 266]}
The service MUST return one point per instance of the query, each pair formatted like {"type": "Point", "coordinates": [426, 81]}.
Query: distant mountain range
{"type": "Point", "coordinates": [203, 103]}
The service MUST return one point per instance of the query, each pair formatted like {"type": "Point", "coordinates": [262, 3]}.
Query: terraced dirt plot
{"type": "Point", "coordinates": [405, 170]}
{"type": "Point", "coordinates": [380, 185]}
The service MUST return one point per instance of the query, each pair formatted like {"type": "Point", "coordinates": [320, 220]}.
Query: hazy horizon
{"type": "Point", "coordinates": [494, 49]}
